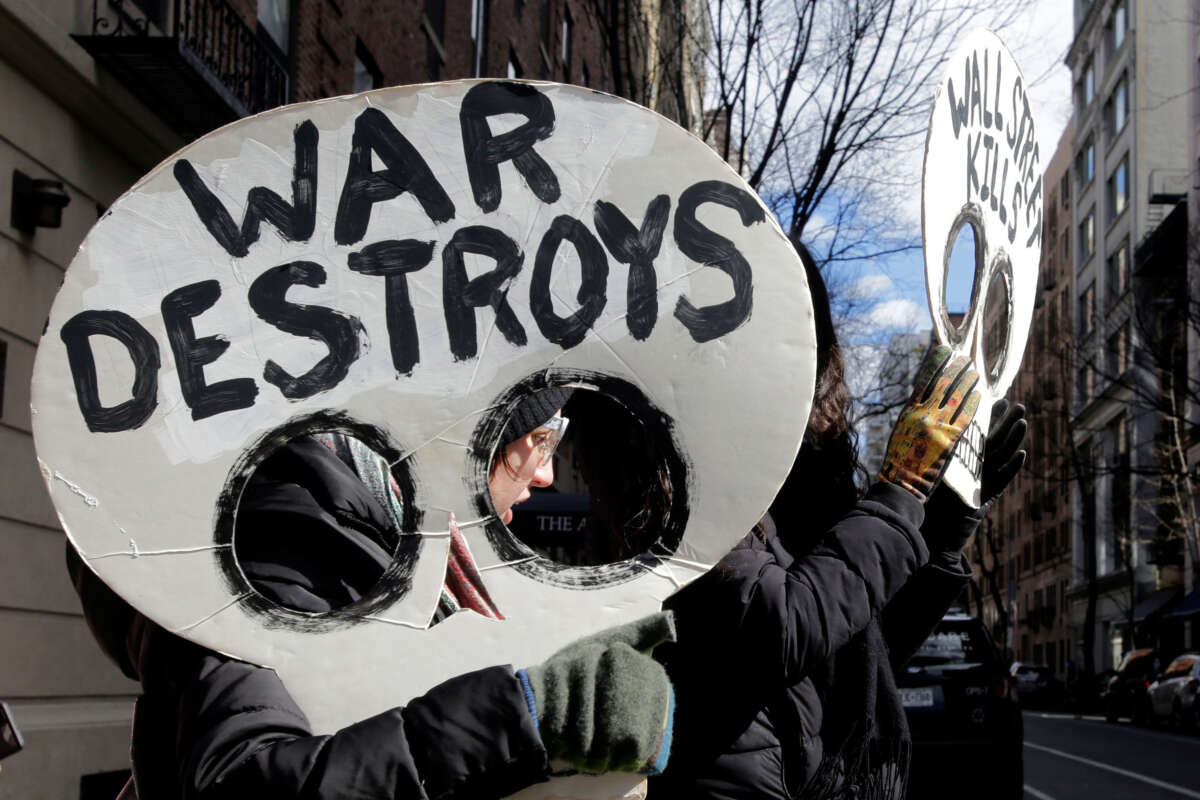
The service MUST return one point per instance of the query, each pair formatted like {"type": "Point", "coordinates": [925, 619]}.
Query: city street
{"type": "Point", "coordinates": [1085, 757]}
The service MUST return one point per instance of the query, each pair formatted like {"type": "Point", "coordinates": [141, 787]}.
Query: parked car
{"type": "Point", "coordinates": [1036, 685]}
{"type": "Point", "coordinates": [963, 713]}
{"type": "Point", "coordinates": [1125, 695]}
{"type": "Point", "coordinates": [1173, 695]}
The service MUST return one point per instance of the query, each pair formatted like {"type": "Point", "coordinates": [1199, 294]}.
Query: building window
{"type": "Point", "coordinates": [1084, 384]}
{"type": "Point", "coordinates": [1087, 309]}
{"type": "Point", "coordinates": [1118, 351]}
{"type": "Point", "coordinates": [1085, 162]}
{"type": "Point", "coordinates": [366, 72]}
{"type": "Point", "coordinates": [585, 79]}
{"type": "Point", "coordinates": [479, 10]}
{"type": "Point", "coordinates": [1118, 273]}
{"type": "Point", "coordinates": [1118, 189]}
{"type": "Point", "coordinates": [1087, 236]}
{"type": "Point", "coordinates": [1085, 87]}
{"type": "Point", "coordinates": [1066, 248]}
{"type": "Point", "coordinates": [1116, 110]}
{"type": "Point", "coordinates": [567, 44]}
{"type": "Point", "coordinates": [1120, 497]}
{"type": "Point", "coordinates": [434, 24]}
{"type": "Point", "coordinates": [1118, 24]}
{"type": "Point", "coordinates": [274, 17]}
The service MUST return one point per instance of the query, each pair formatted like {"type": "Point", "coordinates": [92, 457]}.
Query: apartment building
{"type": "Point", "coordinates": [1022, 553]}
{"type": "Point", "coordinates": [1130, 142]}
{"type": "Point", "coordinates": [100, 91]}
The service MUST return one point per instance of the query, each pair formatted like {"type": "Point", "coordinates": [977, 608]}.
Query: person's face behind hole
{"type": "Point", "coordinates": [528, 461]}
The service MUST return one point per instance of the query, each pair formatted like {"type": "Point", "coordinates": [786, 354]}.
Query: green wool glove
{"type": "Point", "coordinates": [943, 403]}
{"type": "Point", "coordinates": [602, 703]}
{"type": "Point", "coordinates": [949, 522]}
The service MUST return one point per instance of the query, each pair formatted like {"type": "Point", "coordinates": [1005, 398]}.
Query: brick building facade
{"type": "Point", "coordinates": [339, 46]}
{"type": "Point", "coordinates": [1022, 554]}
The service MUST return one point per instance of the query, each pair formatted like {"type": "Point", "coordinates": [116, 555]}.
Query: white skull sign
{"type": "Point", "coordinates": [983, 170]}
{"type": "Point", "coordinates": [407, 265]}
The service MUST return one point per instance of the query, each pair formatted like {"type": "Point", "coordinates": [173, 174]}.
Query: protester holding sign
{"type": "Point", "coordinates": [208, 726]}
{"type": "Point", "coordinates": [801, 628]}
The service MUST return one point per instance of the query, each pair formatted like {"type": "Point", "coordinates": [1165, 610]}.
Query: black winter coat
{"type": "Point", "coordinates": [782, 670]}
{"type": "Point", "coordinates": [211, 727]}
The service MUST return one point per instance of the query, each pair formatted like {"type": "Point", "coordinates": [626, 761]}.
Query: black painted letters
{"type": "Point", "coordinates": [406, 172]}
{"type": "Point", "coordinates": [295, 222]}
{"type": "Point", "coordinates": [638, 249]}
{"type": "Point", "coordinates": [143, 350]}
{"type": "Point", "coordinates": [460, 296]}
{"type": "Point", "coordinates": [337, 331]}
{"type": "Point", "coordinates": [394, 260]}
{"type": "Point", "coordinates": [702, 245]}
{"type": "Point", "coordinates": [191, 354]}
{"type": "Point", "coordinates": [484, 151]}
{"type": "Point", "coordinates": [593, 264]}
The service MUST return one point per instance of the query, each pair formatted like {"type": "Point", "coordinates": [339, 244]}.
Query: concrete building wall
{"type": "Point", "coordinates": [1025, 549]}
{"type": "Point", "coordinates": [1139, 46]}
{"type": "Point", "coordinates": [69, 701]}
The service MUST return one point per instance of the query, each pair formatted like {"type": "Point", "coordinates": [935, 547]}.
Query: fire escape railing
{"type": "Point", "coordinates": [152, 45]}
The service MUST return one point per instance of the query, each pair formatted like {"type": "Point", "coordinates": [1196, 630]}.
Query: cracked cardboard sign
{"type": "Point", "coordinates": [983, 169]}
{"type": "Point", "coordinates": [405, 266]}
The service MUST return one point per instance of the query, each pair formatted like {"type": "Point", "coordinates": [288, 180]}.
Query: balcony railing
{"type": "Point", "coordinates": [196, 63]}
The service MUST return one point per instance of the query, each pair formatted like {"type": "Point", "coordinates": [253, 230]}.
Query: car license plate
{"type": "Point", "coordinates": [917, 698]}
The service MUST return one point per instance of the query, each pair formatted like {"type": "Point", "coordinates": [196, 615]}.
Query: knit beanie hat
{"type": "Point", "coordinates": [533, 411]}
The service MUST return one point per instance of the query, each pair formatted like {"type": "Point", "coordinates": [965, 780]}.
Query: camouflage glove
{"type": "Point", "coordinates": [949, 522]}
{"type": "Point", "coordinates": [602, 703]}
{"type": "Point", "coordinates": [943, 403]}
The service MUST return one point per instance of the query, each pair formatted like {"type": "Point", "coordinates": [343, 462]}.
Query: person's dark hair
{"type": "Point", "coordinates": [824, 481]}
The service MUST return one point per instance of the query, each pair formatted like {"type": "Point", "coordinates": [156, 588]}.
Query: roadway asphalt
{"type": "Point", "coordinates": [1085, 758]}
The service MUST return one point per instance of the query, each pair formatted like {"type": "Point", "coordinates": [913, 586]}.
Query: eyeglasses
{"type": "Point", "coordinates": [546, 438]}
{"type": "Point", "coordinates": [545, 441]}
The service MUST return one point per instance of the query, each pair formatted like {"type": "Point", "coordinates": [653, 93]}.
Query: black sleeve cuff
{"type": "Point", "coordinates": [899, 500]}
{"type": "Point", "coordinates": [953, 563]}
{"type": "Point", "coordinates": [473, 736]}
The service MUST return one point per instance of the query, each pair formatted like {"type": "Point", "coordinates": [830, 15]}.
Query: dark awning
{"type": "Point", "coordinates": [1154, 602]}
{"type": "Point", "coordinates": [1189, 606]}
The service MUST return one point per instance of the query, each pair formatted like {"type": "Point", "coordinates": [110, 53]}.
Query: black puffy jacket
{"type": "Point", "coordinates": [783, 668]}
{"type": "Point", "coordinates": [209, 727]}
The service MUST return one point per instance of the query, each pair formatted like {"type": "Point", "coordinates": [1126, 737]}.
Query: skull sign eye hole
{"type": "Point", "coordinates": [611, 493]}
{"type": "Point", "coordinates": [616, 501]}
{"type": "Point", "coordinates": [321, 524]}
{"type": "Point", "coordinates": [964, 266]}
{"type": "Point", "coordinates": [997, 319]}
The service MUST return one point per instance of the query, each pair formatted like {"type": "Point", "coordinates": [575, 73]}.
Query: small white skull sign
{"type": "Point", "coordinates": [983, 169]}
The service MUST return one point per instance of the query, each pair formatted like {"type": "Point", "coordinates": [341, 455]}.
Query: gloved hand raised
{"type": "Point", "coordinates": [602, 703]}
{"type": "Point", "coordinates": [949, 522]}
{"type": "Point", "coordinates": [943, 403]}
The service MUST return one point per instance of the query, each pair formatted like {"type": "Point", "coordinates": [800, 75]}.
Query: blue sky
{"type": "Point", "coordinates": [893, 288]}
